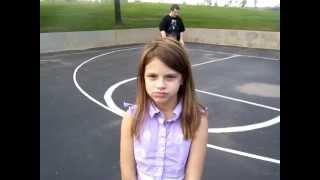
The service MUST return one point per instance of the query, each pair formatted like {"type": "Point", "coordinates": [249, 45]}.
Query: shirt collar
{"type": "Point", "coordinates": [154, 111]}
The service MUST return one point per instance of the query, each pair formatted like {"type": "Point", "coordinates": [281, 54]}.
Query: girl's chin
{"type": "Point", "coordinates": [160, 100]}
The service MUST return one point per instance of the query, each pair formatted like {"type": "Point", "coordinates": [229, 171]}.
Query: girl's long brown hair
{"type": "Point", "coordinates": [170, 52]}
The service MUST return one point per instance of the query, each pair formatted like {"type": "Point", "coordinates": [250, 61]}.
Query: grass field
{"type": "Point", "coordinates": [66, 17]}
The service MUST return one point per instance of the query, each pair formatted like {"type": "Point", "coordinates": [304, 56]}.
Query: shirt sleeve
{"type": "Point", "coordinates": [182, 28]}
{"type": "Point", "coordinates": [203, 109]}
{"type": "Point", "coordinates": [162, 25]}
{"type": "Point", "coordinates": [131, 108]}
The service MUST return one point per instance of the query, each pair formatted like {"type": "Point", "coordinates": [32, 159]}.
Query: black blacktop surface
{"type": "Point", "coordinates": [79, 136]}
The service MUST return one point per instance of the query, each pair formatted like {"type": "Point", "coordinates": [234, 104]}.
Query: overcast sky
{"type": "Point", "coordinates": [250, 3]}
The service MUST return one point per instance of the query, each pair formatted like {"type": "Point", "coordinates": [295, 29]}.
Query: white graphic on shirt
{"type": "Point", "coordinates": [173, 25]}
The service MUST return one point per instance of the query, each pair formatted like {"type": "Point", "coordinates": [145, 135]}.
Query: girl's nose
{"type": "Point", "coordinates": [160, 84]}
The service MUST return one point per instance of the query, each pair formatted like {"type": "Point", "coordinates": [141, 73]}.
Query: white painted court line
{"type": "Point", "coordinates": [67, 54]}
{"type": "Point", "coordinates": [85, 93]}
{"type": "Point", "coordinates": [238, 100]}
{"type": "Point", "coordinates": [244, 154]}
{"type": "Point", "coordinates": [218, 52]}
{"type": "Point", "coordinates": [215, 60]}
{"type": "Point", "coordinates": [84, 51]}
{"type": "Point", "coordinates": [244, 128]}
{"type": "Point", "coordinates": [108, 95]}
{"type": "Point", "coordinates": [50, 60]}
{"type": "Point", "coordinates": [259, 57]}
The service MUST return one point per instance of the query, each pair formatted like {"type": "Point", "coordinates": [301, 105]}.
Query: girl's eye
{"type": "Point", "coordinates": [171, 77]}
{"type": "Point", "coordinates": [152, 76]}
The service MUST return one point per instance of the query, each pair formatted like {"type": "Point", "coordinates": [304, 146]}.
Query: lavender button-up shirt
{"type": "Point", "coordinates": [161, 152]}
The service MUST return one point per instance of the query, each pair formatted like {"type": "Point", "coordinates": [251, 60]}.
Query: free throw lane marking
{"type": "Point", "coordinates": [241, 153]}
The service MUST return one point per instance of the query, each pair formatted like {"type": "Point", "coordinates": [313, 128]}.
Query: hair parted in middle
{"type": "Point", "coordinates": [174, 6]}
{"type": "Point", "coordinates": [173, 55]}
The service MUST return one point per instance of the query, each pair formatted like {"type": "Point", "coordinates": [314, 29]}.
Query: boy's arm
{"type": "Point", "coordinates": [163, 34]}
{"type": "Point", "coordinates": [127, 161]}
{"type": "Point", "coordinates": [162, 27]}
{"type": "Point", "coordinates": [198, 149]}
{"type": "Point", "coordinates": [181, 39]}
{"type": "Point", "coordinates": [182, 29]}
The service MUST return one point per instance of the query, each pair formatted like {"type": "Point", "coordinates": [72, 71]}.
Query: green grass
{"type": "Point", "coordinates": [66, 17]}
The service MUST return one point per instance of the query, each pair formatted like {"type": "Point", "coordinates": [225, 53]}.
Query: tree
{"type": "Point", "coordinates": [225, 3]}
{"type": "Point", "coordinates": [209, 2]}
{"type": "Point", "coordinates": [255, 3]}
{"type": "Point", "coordinates": [243, 3]}
{"type": "Point", "coordinates": [117, 12]}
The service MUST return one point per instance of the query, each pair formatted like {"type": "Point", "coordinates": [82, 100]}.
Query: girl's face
{"type": "Point", "coordinates": [162, 83]}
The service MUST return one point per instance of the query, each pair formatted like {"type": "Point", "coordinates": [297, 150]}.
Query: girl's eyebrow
{"type": "Point", "coordinates": [167, 74]}
{"type": "Point", "coordinates": [151, 73]}
{"type": "Point", "coordinates": [171, 74]}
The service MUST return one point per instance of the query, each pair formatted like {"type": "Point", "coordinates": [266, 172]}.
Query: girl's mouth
{"type": "Point", "coordinates": [159, 94]}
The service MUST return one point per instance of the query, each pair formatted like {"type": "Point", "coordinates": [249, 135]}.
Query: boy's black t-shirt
{"type": "Point", "coordinates": [172, 26]}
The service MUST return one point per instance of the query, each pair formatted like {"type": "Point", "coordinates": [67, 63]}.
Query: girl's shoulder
{"type": "Point", "coordinates": [203, 110]}
{"type": "Point", "coordinates": [131, 108]}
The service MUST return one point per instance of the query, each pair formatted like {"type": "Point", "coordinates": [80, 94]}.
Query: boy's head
{"type": "Point", "coordinates": [174, 6]}
{"type": "Point", "coordinates": [174, 10]}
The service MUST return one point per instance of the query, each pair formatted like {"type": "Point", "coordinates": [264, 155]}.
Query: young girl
{"type": "Point", "coordinates": [164, 135]}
